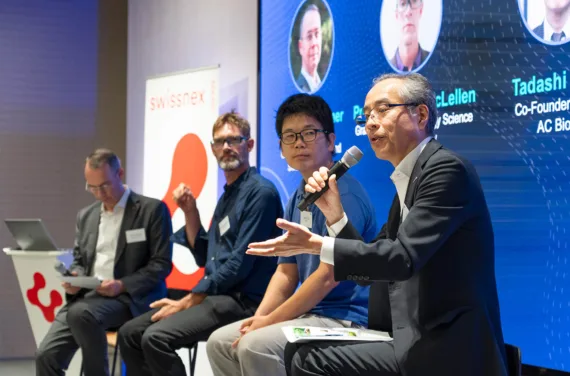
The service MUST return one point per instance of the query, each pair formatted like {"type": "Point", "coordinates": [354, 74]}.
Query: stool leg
{"type": "Point", "coordinates": [194, 350]}
{"type": "Point", "coordinates": [115, 358]}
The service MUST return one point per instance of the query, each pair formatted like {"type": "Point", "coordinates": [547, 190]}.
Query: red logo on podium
{"type": "Point", "coordinates": [55, 297]}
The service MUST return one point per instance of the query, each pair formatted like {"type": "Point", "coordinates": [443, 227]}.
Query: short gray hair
{"type": "Point", "coordinates": [415, 89]}
{"type": "Point", "coordinates": [309, 8]}
{"type": "Point", "coordinates": [101, 157]}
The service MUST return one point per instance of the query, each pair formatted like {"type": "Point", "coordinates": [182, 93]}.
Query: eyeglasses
{"type": "Point", "coordinates": [219, 143]}
{"type": "Point", "coordinates": [379, 112]}
{"type": "Point", "coordinates": [307, 135]}
{"type": "Point", "coordinates": [98, 188]}
{"type": "Point", "coordinates": [401, 4]}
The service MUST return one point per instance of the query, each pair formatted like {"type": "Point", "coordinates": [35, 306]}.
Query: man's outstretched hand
{"type": "Point", "coordinates": [296, 240]}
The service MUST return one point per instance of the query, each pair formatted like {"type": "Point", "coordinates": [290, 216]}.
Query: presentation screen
{"type": "Point", "coordinates": [500, 73]}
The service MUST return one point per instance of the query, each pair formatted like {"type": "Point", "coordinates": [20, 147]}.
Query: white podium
{"type": "Point", "coordinates": [42, 292]}
{"type": "Point", "coordinates": [43, 296]}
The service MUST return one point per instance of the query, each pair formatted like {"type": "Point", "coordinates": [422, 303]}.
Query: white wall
{"type": "Point", "coordinates": [174, 35]}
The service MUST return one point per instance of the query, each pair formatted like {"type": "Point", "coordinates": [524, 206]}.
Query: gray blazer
{"type": "Point", "coordinates": [141, 266]}
{"type": "Point", "coordinates": [436, 290]}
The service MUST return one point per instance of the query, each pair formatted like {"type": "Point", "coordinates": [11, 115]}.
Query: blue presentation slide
{"type": "Point", "coordinates": [501, 72]}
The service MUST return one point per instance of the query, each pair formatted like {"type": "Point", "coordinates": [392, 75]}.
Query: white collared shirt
{"type": "Point", "coordinates": [548, 31]}
{"type": "Point", "coordinates": [107, 239]}
{"type": "Point", "coordinates": [314, 82]}
{"type": "Point", "coordinates": [400, 177]}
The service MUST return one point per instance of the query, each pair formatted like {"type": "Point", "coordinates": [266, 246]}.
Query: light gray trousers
{"type": "Point", "coordinates": [259, 353]}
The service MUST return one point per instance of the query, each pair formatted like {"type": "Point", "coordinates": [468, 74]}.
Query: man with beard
{"type": "Point", "coordinates": [310, 45]}
{"type": "Point", "coordinates": [234, 283]}
{"type": "Point", "coordinates": [555, 27]}
{"type": "Point", "coordinates": [303, 291]}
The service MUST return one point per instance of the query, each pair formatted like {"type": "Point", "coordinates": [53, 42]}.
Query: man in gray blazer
{"type": "Point", "coordinates": [122, 239]}
{"type": "Point", "coordinates": [432, 265]}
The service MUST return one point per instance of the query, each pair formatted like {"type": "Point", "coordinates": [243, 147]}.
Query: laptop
{"type": "Point", "coordinates": [31, 234]}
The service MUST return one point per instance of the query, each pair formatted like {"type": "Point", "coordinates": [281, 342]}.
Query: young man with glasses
{"type": "Point", "coordinates": [124, 240]}
{"type": "Point", "coordinates": [234, 283]}
{"type": "Point", "coordinates": [432, 265]}
{"type": "Point", "coordinates": [303, 291]}
{"type": "Point", "coordinates": [409, 54]}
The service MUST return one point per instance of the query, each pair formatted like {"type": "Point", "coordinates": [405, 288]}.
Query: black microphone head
{"type": "Point", "coordinates": [60, 267]}
{"type": "Point", "coordinates": [352, 156]}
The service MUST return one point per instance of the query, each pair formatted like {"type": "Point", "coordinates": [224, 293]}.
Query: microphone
{"type": "Point", "coordinates": [62, 269]}
{"type": "Point", "coordinates": [349, 159]}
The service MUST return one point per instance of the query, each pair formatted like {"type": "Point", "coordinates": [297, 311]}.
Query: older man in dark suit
{"type": "Point", "coordinates": [432, 265]}
{"type": "Point", "coordinates": [122, 239]}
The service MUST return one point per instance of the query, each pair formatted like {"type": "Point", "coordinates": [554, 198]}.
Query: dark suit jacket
{"type": "Point", "coordinates": [423, 56]}
{"type": "Point", "coordinates": [539, 30]}
{"type": "Point", "coordinates": [141, 266]}
{"type": "Point", "coordinates": [303, 84]}
{"type": "Point", "coordinates": [436, 289]}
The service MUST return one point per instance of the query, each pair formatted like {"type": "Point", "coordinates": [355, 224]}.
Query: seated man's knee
{"type": "Point", "coordinates": [289, 354]}
{"type": "Point", "coordinates": [48, 357]}
{"type": "Point", "coordinates": [216, 342]}
{"type": "Point", "coordinates": [43, 356]}
{"type": "Point", "coordinates": [213, 345]}
{"type": "Point", "coordinates": [152, 340]}
{"type": "Point", "coordinates": [125, 336]}
{"type": "Point", "coordinates": [253, 345]}
{"type": "Point", "coordinates": [303, 358]}
{"type": "Point", "coordinates": [78, 315]}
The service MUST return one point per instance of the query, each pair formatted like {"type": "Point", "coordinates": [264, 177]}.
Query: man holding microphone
{"type": "Point", "coordinates": [302, 291]}
{"type": "Point", "coordinates": [432, 264]}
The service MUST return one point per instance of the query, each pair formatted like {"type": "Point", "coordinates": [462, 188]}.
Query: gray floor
{"type": "Point", "coordinates": [21, 367]}
{"type": "Point", "coordinates": [26, 367]}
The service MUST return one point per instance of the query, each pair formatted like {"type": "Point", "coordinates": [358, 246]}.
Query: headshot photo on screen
{"type": "Point", "coordinates": [547, 20]}
{"type": "Point", "coordinates": [409, 30]}
{"type": "Point", "coordinates": [311, 45]}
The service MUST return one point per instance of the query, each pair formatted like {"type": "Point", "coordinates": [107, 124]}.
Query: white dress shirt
{"type": "Point", "coordinates": [400, 177]}
{"type": "Point", "coordinates": [314, 82]}
{"type": "Point", "coordinates": [548, 31]}
{"type": "Point", "coordinates": [109, 229]}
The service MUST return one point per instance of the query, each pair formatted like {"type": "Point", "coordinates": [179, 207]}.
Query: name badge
{"type": "Point", "coordinates": [224, 225]}
{"type": "Point", "coordinates": [307, 219]}
{"type": "Point", "coordinates": [135, 236]}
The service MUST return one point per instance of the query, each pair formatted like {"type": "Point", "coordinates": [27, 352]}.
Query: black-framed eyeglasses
{"type": "Point", "coordinates": [401, 4]}
{"type": "Point", "coordinates": [379, 111]}
{"type": "Point", "coordinates": [307, 135]}
{"type": "Point", "coordinates": [98, 188]}
{"type": "Point", "coordinates": [218, 143]}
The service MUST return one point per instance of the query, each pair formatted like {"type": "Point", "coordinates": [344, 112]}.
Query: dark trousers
{"type": "Point", "coordinates": [149, 349]}
{"type": "Point", "coordinates": [341, 358]}
{"type": "Point", "coordinates": [81, 323]}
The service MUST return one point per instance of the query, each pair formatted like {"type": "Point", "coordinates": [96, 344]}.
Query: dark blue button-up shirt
{"type": "Point", "coordinates": [252, 205]}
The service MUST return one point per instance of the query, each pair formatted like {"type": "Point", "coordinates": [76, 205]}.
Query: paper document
{"type": "Point", "coordinates": [310, 333]}
{"type": "Point", "coordinates": [85, 282]}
